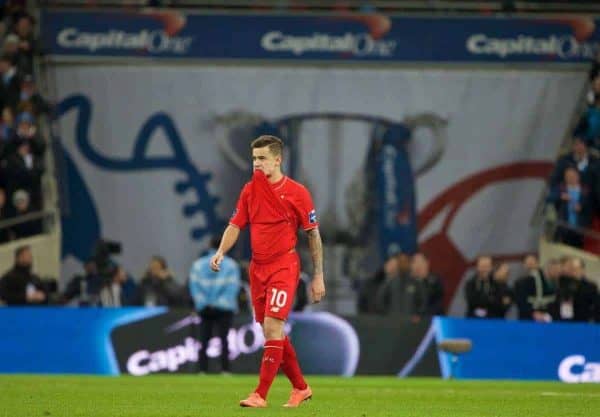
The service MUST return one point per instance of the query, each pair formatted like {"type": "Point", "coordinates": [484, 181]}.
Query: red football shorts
{"type": "Point", "coordinates": [273, 286]}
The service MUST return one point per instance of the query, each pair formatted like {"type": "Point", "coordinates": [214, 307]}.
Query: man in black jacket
{"type": "Point", "coordinates": [19, 286]}
{"type": "Point", "coordinates": [478, 290]}
{"type": "Point", "coordinates": [576, 296]}
{"type": "Point", "coordinates": [535, 291]}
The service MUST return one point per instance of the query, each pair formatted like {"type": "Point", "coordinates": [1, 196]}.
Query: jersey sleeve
{"type": "Point", "coordinates": [239, 218]}
{"type": "Point", "coordinates": [308, 214]}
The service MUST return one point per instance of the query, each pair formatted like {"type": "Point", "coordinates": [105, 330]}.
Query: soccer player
{"type": "Point", "coordinates": [275, 206]}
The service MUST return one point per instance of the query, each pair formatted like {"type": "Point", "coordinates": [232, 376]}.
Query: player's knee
{"type": "Point", "coordinates": [273, 329]}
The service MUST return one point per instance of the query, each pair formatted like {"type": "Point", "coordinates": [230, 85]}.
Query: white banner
{"type": "Point", "coordinates": [154, 145]}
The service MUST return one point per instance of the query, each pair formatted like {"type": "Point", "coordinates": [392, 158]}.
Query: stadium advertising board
{"type": "Point", "coordinates": [522, 350]}
{"type": "Point", "coordinates": [344, 37]}
{"type": "Point", "coordinates": [139, 341]}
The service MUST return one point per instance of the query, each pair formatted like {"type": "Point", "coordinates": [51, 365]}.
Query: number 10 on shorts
{"type": "Point", "coordinates": [278, 299]}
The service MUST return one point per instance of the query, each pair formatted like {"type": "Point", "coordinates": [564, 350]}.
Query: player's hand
{"type": "Point", "coordinates": [317, 288]}
{"type": "Point", "coordinates": [215, 261]}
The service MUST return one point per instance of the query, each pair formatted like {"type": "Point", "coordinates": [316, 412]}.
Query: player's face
{"type": "Point", "coordinates": [263, 159]}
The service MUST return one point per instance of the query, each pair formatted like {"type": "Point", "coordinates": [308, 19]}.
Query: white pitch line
{"type": "Point", "coordinates": [568, 394]}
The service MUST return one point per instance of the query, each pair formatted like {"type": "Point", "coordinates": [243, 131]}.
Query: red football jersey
{"type": "Point", "coordinates": [273, 232]}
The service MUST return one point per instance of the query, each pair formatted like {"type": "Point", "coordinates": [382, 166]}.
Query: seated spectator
{"type": "Point", "coordinates": [589, 124]}
{"type": "Point", "coordinates": [158, 287]}
{"type": "Point", "coordinates": [19, 286]}
{"type": "Point", "coordinates": [578, 158]}
{"type": "Point", "coordinates": [7, 131]}
{"type": "Point", "coordinates": [501, 293]}
{"type": "Point", "coordinates": [478, 289]}
{"type": "Point", "coordinates": [10, 84]}
{"type": "Point", "coordinates": [594, 90]}
{"type": "Point", "coordinates": [24, 170]}
{"type": "Point", "coordinates": [576, 296]}
{"type": "Point", "coordinates": [10, 49]}
{"type": "Point", "coordinates": [384, 292]}
{"type": "Point", "coordinates": [84, 290]}
{"type": "Point", "coordinates": [534, 292]}
{"type": "Point", "coordinates": [26, 132]}
{"type": "Point", "coordinates": [27, 46]}
{"type": "Point", "coordinates": [4, 231]}
{"type": "Point", "coordinates": [118, 290]}
{"type": "Point", "coordinates": [367, 291]}
{"type": "Point", "coordinates": [424, 292]}
{"type": "Point", "coordinates": [573, 203]}
{"type": "Point", "coordinates": [30, 101]}
{"type": "Point", "coordinates": [22, 207]}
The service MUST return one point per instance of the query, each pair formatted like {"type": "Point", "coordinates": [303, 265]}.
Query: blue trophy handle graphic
{"type": "Point", "coordinates": [195, 181]}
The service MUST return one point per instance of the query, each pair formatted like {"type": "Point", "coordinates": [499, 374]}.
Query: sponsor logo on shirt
{"type": "Point", "coordinates": [312, 216]}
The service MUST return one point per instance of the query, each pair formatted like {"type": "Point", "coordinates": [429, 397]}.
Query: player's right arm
{"type": "Point", "coordinates": [238, 221]}
{"type": "Point", "coordinates": [230, 236]}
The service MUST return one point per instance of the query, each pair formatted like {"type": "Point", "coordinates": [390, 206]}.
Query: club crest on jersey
{"type": "Point", "coordinates": [312, 216]}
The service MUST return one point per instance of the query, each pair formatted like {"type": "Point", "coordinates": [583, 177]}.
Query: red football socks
{"type": "Point", "coordinates": [272, 356]}
{"type": "Point", "coordinates": [290, 365]}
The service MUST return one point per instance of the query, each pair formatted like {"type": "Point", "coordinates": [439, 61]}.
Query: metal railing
{"type": "Point", "coordinates": [37, 215]}
{"type": "Point", "coordinates": [551, 225]}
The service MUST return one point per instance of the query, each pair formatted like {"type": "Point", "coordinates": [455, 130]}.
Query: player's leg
{"type": "Point", "coordinates": [257, 292]}
{"type": "Point", "coordinates": [272, 354]}
{"type": "Point", "coordinates": [289, 365]}
{"type": "Point", "coordinates": [224, 324]}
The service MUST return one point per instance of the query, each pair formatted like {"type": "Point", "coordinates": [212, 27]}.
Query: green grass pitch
{"type": "Point", "coordinates": [207, 395]}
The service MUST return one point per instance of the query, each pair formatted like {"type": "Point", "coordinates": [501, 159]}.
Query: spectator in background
{"type": "Point", "coordinates": [30, 100]}
{"type": "Point", "coordinates": [84, 290]}
{"type": "Point", "coordinates": [594, 90]}
{"type": "Point", "coordinates": [573, 203]}
{"type": "Point", "coordinates": [158, 287]}
{"type": "Point", "coordinates": [24, 170]}
{"type": "Point", "coordinates": [589, 124]}
{"type": "Point", "coordinates": [23, 28]}
{"type": "Point", "coordinates": [215, 297]}
{"type": "Point", "coordinates": [20, 286]}
{"type": "Point", "coordinates": [389, 296]}
{"type": "Point", "coordinates": [7, 128]}
{"type": "Point", "coordinates": [534, 292]}
{"type": "Point", "coordinates": [478, 289]}
{"type": "Point", "coordinates": [22, 207]}
{"type": "Point", "coordinates": [580, 159]}
{"type": "Point", "coordinates": [26, 132]}
{"type": "Point", "coordinates": [576, 296]}
{"type": "Point", "coordinates": [10, 49]}
{"type": "Point", "coordinates": [424, 292]}
{"type": "Point", "coordinates": [10, 84]}
{"type": "Point", "coordinates": [119, 290]}
{"type": "Point", "coordinates": [501, 293]}
{"type": "Point", "coordinates": [4, 231]}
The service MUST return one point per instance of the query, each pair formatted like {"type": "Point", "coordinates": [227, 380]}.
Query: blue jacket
{"type": "Point", "coordinates": [215, 289]}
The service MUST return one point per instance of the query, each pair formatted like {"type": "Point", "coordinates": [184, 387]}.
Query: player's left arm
{"type": "Point", "coordinates": [315, 244]}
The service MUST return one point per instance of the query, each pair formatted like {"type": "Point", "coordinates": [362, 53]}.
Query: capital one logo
{"type": "Point", "coordinates": [575, 368]}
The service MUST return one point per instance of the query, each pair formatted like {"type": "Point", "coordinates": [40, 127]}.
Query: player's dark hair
{"type": "Point", "coordinates": [273, 142]}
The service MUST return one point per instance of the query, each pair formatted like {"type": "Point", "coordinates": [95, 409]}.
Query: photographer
{"type": "Point", "coordinates": [158, 287]}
